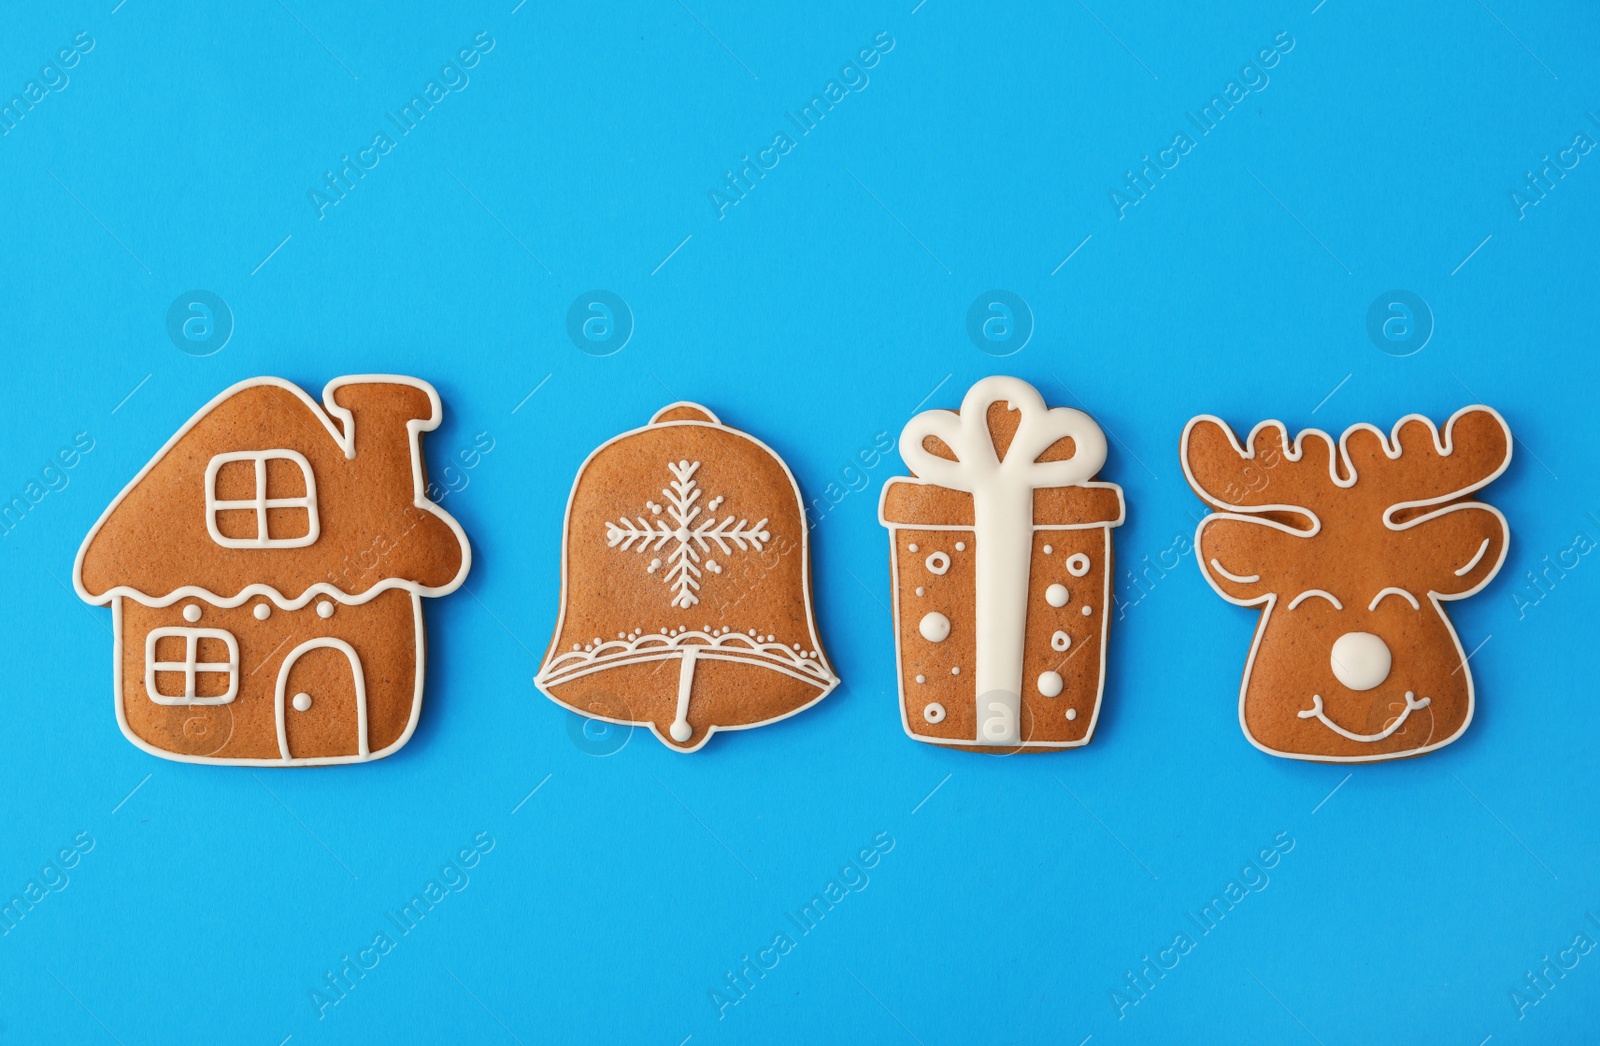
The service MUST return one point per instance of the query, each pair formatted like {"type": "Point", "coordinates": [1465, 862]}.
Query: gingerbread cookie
{"type": "Point", "coordinates": [1000, 548]}
{"type": "Point", "coordinates": [265, 573]}
{"type": "Point", "coordinates": [1362, 544]}
{"type": "Point", "coordinates": [685, 585]}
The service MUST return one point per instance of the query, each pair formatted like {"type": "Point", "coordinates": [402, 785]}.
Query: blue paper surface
{"type": "Point", "coordinates": [171, 148]}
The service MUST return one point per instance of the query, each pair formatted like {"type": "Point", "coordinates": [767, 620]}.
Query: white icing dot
{"type": "Point", "coordinates": [1056, 595]}
{"type": "Point", "coordinates": [302, 702]}
{"type": "Point", "coordinates": [713, 566]}
{"type": "Point", "coordinates": [937, 563]}
{"type": "Point", "coordinates": [325, 610]}
{"type": "Point", "coordinates": [191, 613]}
{"type": "Point", "coordinates": [577, 646]}
{"type": "Point", "coordinates": [596, 640]}
{"type": "Point", "coordinates": [1077, 564]}
{"type": "Point", "coordinates": [1048, 550]}
{"type": "Point", "coordinates": [1060, 641]}
{"type": "Point", "coordinates": [655, 565]}
{"type": "Point", "coordinates": [680, 732]}
{"type": "Point", "coordinates": [961, 546]}
{"type": "Point", "coordinates": [934, 713]}
{"type": "Point", "coordinates": [955, 670]}
{"type": "Point", "coordinates": [921, 591]}
{"type": "Point", "coordinates": [262, 611]}
{"type": "Point", "coordinates": [1050, 684]}
{"type": "Point", "coordinates": [922, 679]}
{"type": "Point", "coordinates": [771, 638]}
{"type": "Point", "coordinates": [622, 635]}
{"type": "Point", "coordinates": [911, 547]}
{"type": "Point", "coordinates": [935, 627]}
{"type": "Point", "coordinates": [1072, 713]}
{"type": "Point", "coordinates": [1087, 610]}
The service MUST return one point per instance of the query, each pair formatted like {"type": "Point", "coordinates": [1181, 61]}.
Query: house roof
{"type": "Point", "coordinates": [375, 527]}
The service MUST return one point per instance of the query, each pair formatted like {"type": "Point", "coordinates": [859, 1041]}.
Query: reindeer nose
{"type": "Point", "coordinates": [1361, 660]}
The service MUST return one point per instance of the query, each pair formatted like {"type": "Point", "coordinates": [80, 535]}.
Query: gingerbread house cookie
{"type": "Point", "coordinates": [685, 585]}
{"type": "Point", "coordinates": [265, 573]}
{"type": "Point", "coordinates": [1000, 549]}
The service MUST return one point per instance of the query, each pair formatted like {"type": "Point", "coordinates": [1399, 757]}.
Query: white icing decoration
{"type": "Point", "coordinates": [1077, 564]}
{"type": "Point", "coordinates": [922, 679]}
{"type": "Point", "coordinates": [911, 547]}
{"type": "Point", "coordinates": [934, 713]}
{"type": "Point", "coordinates": [1087, 610]}
{"type": "Point", "coordinates": [1316, 711]}
{"type": "Point", "coordinates": [683, 570]}
{"type": "Point", "coordinates": [1476, 556]}
{"type": "Point", "coordinates": [1003, 494]}
{"type": "Point", "coordinates": [324, 643]}
{"type": "Point", "coordinates": [1057, 595]}
{"type": "Point", "coordinates": [302, 702]}
{"type": "Point", "coordinates": [1308, 593]}
{"type": "Point", "coordinates": [1060, 641]}
{"type": "Point", "coordinates": [955, 670]}
{"type": "Point", "coordinates": [1048, 550]}
{"type": "Point", "coordinates": [262, 611]}
{"type": "Point", "coordinates": [324, 609]}
{"type": "Point", "coordinates": [1243, 579]}
{"type": "Point", "coordinates": [191, 613]}
{"type": "Point", "coordinates": [937, 563]}
{"type": "Point", "coordinates": [1392, 591]}
{"type": "Point", "coordinates": [680, 730]}
{"type": "Point", "coordinates": [189, 666]}
{"type": "Point", "coordinates": [659, 646]}
{"type": "Point", "coordinates": [935, 627]}
{"type": "Point", "coordinates": [1360, 660]}
{"type": "Point", "coordinates": [1050, 684]}
{"type": "Point", "coordinates": [921, 591]}
{"type": "Point", "coordinates": [1072, 713]}
{"type": "Point", "coordinates": [261, 503]}
{"type": "Point", "coordinates": [961, 546]}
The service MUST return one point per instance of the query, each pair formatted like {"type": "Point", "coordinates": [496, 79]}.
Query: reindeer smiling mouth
{"type": "Point", "coordinates": [1316, 712]}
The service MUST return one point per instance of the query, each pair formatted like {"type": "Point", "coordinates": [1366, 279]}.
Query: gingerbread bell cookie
{"type": "Point", "coordinates": [1361, 544]}
{"type": "Point", "coordinates": [1000, 549]}
{"type": "Point", "coordinates": [265, 573]}
{"type": "Point", "coordinates": [685, 585]}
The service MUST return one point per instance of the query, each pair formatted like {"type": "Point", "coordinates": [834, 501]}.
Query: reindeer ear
{"type": "Point", "coordinates": [1246, 558]}
{"type": "Point", "coordinates": [1453, 552]}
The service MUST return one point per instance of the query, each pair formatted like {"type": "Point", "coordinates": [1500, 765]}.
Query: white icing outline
{"type": "Point", "coordinates": [1395, 591]}
{"type": "Point", "coordinates": [1268, 600]}
{"type": "Point", "coordinates": [1073, 566]}
{"type": "Point", "coordinates": [1243, 579]}
{"type": "Point", "coordinates": [934, 713]}
{"type": "Point", "coordinates": [346, 441]}
{"type": "Point", "coordinates": [1020, 394]}
{"type": "Point", "coordinates": [823, 678]}
{"type": "Point", "coordinates": [189, 666]}
{"type": "Point", "coordinates": [1315, 711]}
{"type": "Point", "coordinates": [1308, 593]}
{"type": "Point", "coordinates": [261, 503]}
{"type": "Point", "coordinates": [937, 571]}
{"type": "Point", "coordinates": [180, 757]}
{"type": "Point", "coordinates": [323, 643]}
{"type": "Point", "coordinates": [1464, 571]}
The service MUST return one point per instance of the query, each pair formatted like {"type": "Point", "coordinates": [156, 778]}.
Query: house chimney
{"type": "Point", "coordinates": [381, 411]}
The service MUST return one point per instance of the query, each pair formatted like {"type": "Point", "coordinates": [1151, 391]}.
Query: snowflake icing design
{"type": "Point", "coordinates": [688, 538]}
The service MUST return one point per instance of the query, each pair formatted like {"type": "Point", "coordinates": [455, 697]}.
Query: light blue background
{"type": "Point", "coordinates": [817, 313]}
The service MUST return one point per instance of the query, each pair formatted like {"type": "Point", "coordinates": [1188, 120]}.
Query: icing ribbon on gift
{"type": "Point", "coordinates": [1002, 495]}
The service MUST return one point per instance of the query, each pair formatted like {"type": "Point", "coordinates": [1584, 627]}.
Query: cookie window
{"type": "Point", "coordinates": [175, 674]}
{"type": "Point", "coordinates": [261, 499]}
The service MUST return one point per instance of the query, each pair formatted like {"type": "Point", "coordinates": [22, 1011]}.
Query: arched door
{"type": "Point", "coordinates": [321, 703]}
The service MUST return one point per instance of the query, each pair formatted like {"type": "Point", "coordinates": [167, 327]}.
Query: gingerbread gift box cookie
{"type": "Point", "coordinates": [1350, 552]}
{"type": "Point", "coordinates": [685, 585]}
{"type": "Point", "coordinates": [1001, 555]}
{"type": "Point", "coordinates": [265, 573]}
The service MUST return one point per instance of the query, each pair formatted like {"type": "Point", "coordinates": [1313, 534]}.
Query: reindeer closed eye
{"type": "Point", "coordinates": [1361, 541]}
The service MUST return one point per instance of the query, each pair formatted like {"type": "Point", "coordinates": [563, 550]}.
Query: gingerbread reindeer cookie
{"type": "Point", "coordinates": [1000, 549]}
{"type": "Point", "coordinates": [1361, 544]}
{"type": "Point", "coordinates": [266, 571]}
{"type": "Point", "coordinates": [685, 585]}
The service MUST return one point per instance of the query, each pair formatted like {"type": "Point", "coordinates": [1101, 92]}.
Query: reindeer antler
{"type": "Point", "coordinates": [1270, 474]}
{"type": "Point", "coordinates": [1417, 465]}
